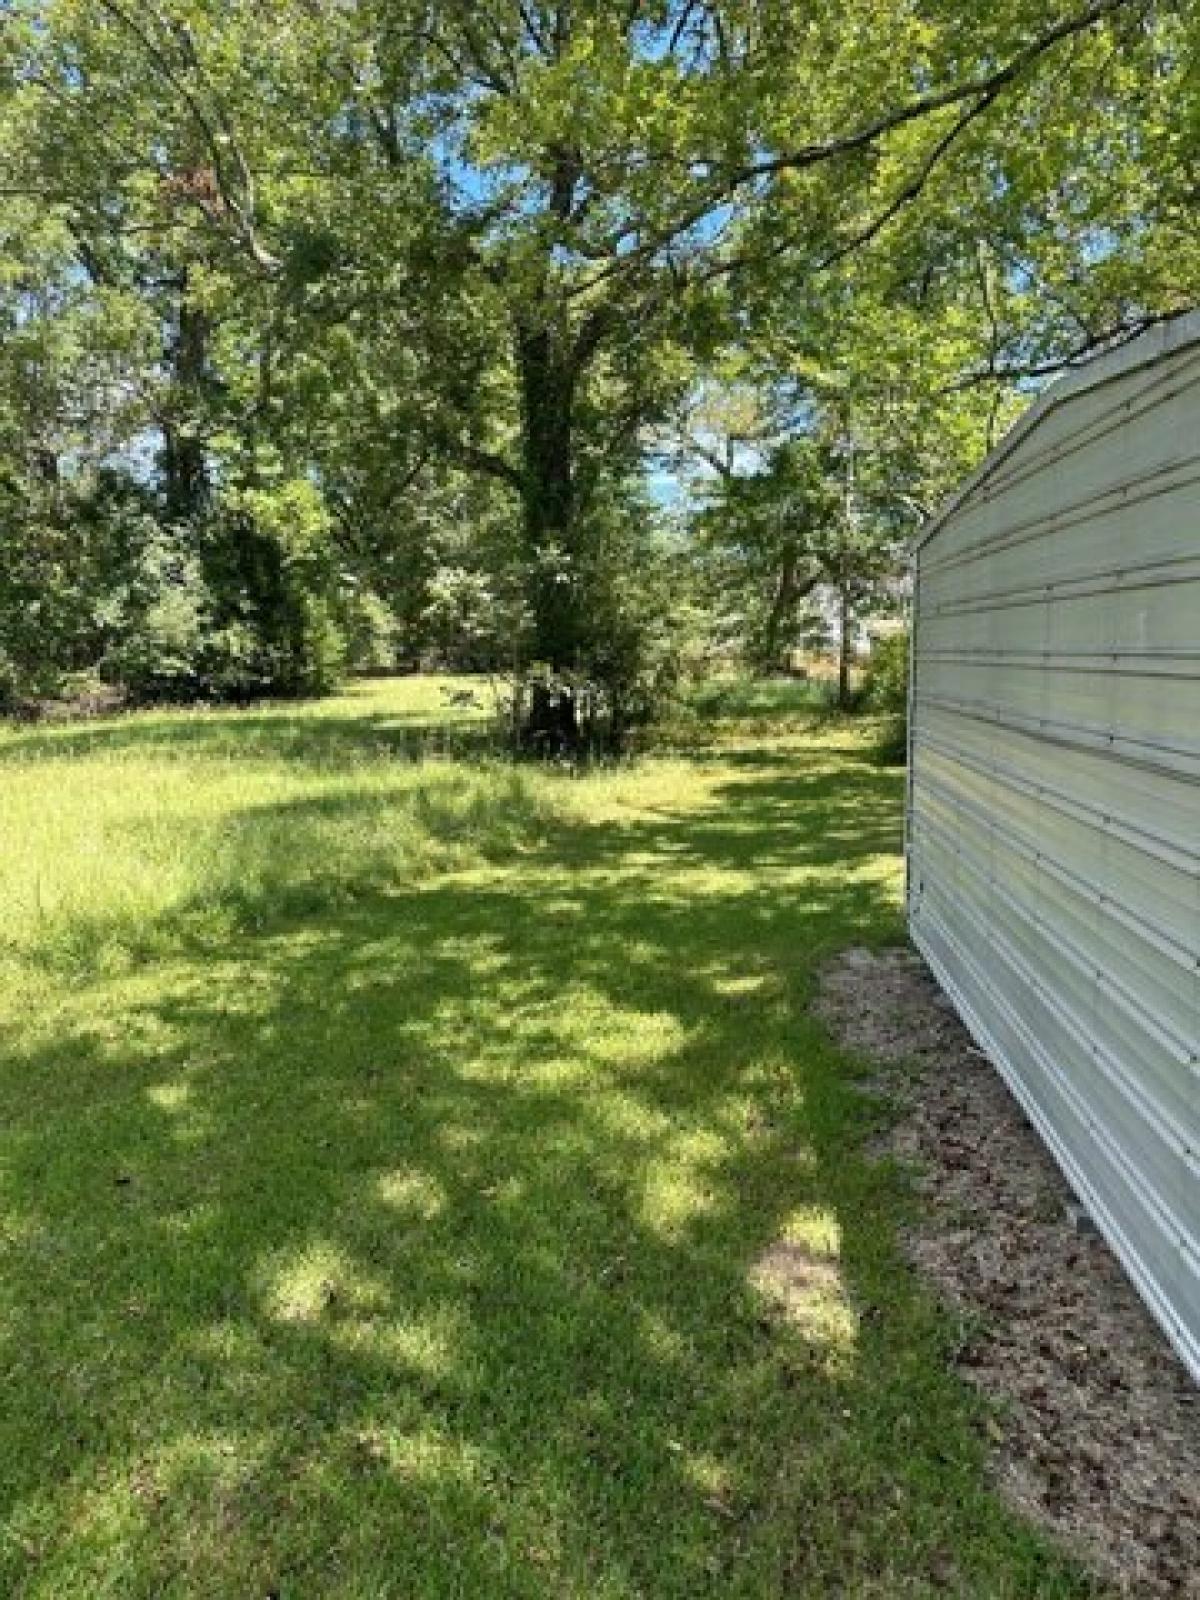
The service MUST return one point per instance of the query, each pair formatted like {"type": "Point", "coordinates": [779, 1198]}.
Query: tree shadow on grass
{"type": "Point", "coordinates": [412, 1242]}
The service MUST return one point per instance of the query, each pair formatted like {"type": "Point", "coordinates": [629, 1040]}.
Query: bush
{"type": "Point", "coordinates": [469, 620]}
{"type": "Point", "coordinates": [162, 622]}
{"type": "Point", "coordinates": [885, 687]}
{"type": "Point", "coordinates": [62, 559]}
{"type": "Point", "coordinates": [219, 613]}
{"type": "Point", "coordinates": [235, 604]}
{"type": "Point", "coordinates": [891, 748]}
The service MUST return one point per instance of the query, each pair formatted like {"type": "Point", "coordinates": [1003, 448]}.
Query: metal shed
{"type": "Point", "coordinates": [1054, 790]}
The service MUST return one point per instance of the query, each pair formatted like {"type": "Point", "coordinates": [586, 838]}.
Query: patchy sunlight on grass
{"type": "Point", "coordinates": [801, 1274]}
{"type": "Point", "coordinates": [413, 1194]}
{"type": "Point", "coordinates": [424, 1177]}
{"type": "Point", "coordinates": [316, 1281]}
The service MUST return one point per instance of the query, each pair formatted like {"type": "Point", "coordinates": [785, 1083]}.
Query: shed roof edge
{"type": "Point", "coordinates": [1153, 345]}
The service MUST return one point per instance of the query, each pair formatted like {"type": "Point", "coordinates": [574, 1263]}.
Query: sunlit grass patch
{"type": "Point", "coordinates": [319, 1279]}
{"type": "Point", "coordinates": [412, 1194]}
{"type": "Point", "coordinates": [801, 1274]}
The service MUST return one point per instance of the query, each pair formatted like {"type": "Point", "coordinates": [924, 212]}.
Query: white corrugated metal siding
{"type": "Point", "coordinates": [1054, 790]}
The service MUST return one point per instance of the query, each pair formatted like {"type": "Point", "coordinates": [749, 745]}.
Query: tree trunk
{"type": "Point", "coordinates": [184, 460]}
{"type": "Point", "coordinates": [549, 501]}
{"type": "Point", "coordinates": [790, 589]}
{"type": "Point", "coordinates": [781, 604]}
{"type": "Point", "coordinates": [552, 538]}
{"type": "Point", "coordinates": [845, 564]}
{"type": "Point", "coordinates": [844, 645]}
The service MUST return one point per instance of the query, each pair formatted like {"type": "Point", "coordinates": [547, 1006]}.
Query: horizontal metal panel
{"type": "Point", "coordinates": [1159, 1065]}
{"type": "Point", "coordinates": [1096, 414]}
{"type": "Point", "coordinates": [1152, 661]}
{"type": "Point", "coordinates": [1133, 361]}
{"type": "Point", "coordinates": [1122, 889]}
{"type": "Point", "coordinates": [1020, 519]}
{"type": "Point", "coordinates": [1153, 431]}
{"type": "Point", "coordinates": [1090, 582]}
{"type": "Point", "coordinates": [1162, 814]}
{"type": "Point", "coordinates": [1166, 925]}
{"type": "Point", "coordinates": [1119, 706]}
{"type": "Point", "coordinates": [1130, 617]}
{"type": "Point", "coordinates": [1054, 795]}
{"type": "Point", "coordinates": [1116, 964]}
{"type": "Point", "coordinates": [1033, 548]}
{"type": "Point", "coordinates": [1148, 750]}
{"type": "Point", "coordinates": [1144, 1140]}
{"type": "Point", "coordinates": [1008, 791]}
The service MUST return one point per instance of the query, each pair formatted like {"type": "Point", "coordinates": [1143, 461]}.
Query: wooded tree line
{"type": "Point", "coordinates": [343, 330]}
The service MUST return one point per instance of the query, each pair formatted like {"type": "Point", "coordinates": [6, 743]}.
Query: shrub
{"type": "Point", "coordinates": [469, 620]}
{"type": "Point", "coordinates": [885, 687]}
{"type": "Point", "coordinates": [162, 624]}
{"type": "Point", "coordinates": [218, 612]}
{"type": "Point", "coordinates": [62, 559]}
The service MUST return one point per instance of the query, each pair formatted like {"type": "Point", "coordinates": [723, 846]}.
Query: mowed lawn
{"type": "Point", "coordinates": [392, 1148]}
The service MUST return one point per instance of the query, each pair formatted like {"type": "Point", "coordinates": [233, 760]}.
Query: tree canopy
{"type": "Point", "coordinates": [342, 299]}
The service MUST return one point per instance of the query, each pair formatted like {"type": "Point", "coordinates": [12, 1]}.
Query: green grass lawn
{"type": "Point", "coordinates": [390, 1143]}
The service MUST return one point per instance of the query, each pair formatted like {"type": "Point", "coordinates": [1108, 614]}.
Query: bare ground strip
{"type": "Point", "coordinates": [1097, 1432]}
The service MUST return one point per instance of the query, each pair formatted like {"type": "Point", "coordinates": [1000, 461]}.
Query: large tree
{"type": "Point", "coordinates": [607, 169]}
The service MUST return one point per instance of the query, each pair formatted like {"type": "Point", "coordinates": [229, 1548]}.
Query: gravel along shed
{"type": "Point", "coordinates": [1054, 790]}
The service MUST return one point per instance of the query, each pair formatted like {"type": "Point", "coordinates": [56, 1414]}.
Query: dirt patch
{"type": "Point", "coordinates": [1098, 1426]}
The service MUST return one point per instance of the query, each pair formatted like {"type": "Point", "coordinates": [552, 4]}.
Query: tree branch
{"type": "Point", "coordinates": [218, 135]}
{"type": "Point", "coordinates": [990, 84]}
{"type": "Point", "coordinates": [911, 191]}
{"type": "Point", "coordinates": [1112, 338]}
{"type": "Point", "coordinates": [490, 464]}
{"type": "Point", "coordinates": [985, 89]}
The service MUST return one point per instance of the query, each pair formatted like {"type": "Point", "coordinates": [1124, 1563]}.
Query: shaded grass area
{"type": "Point", "coordinates": [425, 1178]}
{"type": "Point", "coordinates": [758, 704]}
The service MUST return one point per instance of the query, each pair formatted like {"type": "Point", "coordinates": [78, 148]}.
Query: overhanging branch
{"type": "Point", "coordinates": [981, 92]}
{"type": "Point", "coordinates": [214, 128]}
{"type": "Point", "coordinates": [1111, 338]}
